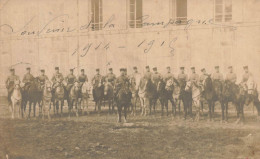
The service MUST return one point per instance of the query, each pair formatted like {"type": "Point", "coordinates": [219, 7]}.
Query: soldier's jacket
{"type": "Point", "coordinates": [70, 79]}
{"type": "Point", "coordinates": [57, 77]}
{"type": "Point", "coordinates": [42, 79]}
{"type": "Point", "coordinates": [246, 76]}
{"type": "Point", "coordinates": [232, 77]}
{"type": "Point", "coordinates": [9, 83]}
{"type": "Point", "coordinates": [28, 78]}
{"type": "Point", "coordinates": [203, 77]}
{"type": "Point", "coordinates": [148, 75]}
{"type": "Point", "coordinates": [122, 82]}
{"type": "Point", "coordinates": [110, 77]}
{"type": "Point", "coordinates": [168, 76]}
{"type": "Point", "coordinates": [217, 76]}
{"type": "Point", "coordinates": [96, 79]}
{"type": "Point", "coordinates": [82, 78]}
{"type": "Point", "coordinates": [135, 76]}
{"type": "Point", "coordinates": [183, 77]}
{"type": "Point", "coordinates": [156, 77]}
{"type": "Point", "coordinates": [194, 77]}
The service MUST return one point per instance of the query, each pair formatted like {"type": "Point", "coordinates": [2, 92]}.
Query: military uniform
{"type": "Point", "coordinates": [203, 77]}
{"type": "Point", "coordinates": [168, 76]}
{"type": "Point", "coordinates": [148, 75]}
{"type": "Point", "coordinates": [42, 79]}
{"type": "Point", "coordinates": [110, 77]}
{"type": "Point", "coordinates": [96, 79]}
{"type": "Point", "coordinates": [182, 77]}
{"type": "Point", "coordinates": [27, 79]}
{"type": "Point", "coordinates": [156, 77]}
{"type": "Point", "coordinates": [217, 76]}
{"type": "Point", "coordinates": [122, 83]}
{"type": "Point", "coordinates": [232, 77]}
{"type": "Point", "coordinates": [82, 79]}
{"type": "Point", "coordinates": [70, 79]}
{"type": "Point", "coordinates": [246, 76]}
{"type": "Point", "coordinates": [56, 79]}
{"type": "Point", "coordinates": [194, 77]}
{"type": "Point", "coordinates": [9, 83]}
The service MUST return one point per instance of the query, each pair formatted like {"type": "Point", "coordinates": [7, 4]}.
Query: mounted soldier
{"type": "Point", "coordinates": [135, 76]}
{"type": "Point", "coordinates": [57, 78]}
{"type": "Point", "coordinates": [10, 82]}
{"type": "Point", "coordinates": [82, 77]}
{"type": "Point", "coordinates": [217, 76]}
{"type": "Point", "coordinates": [110, 77]}
{"type": "Point", "coordinates": [27, 79]}
{"type": "Point", "coordinates": [148, 73]}
{"type": "Point", "coordinates": [169, 75]}
{"type": "Point", "coordinates": [122, 82]}
{"type": "Point", "coordinates": [231, 76]}
{"type": "Point", "coordinates": [246, 75]}
{"type": "Point", "coordinates": [42, 78]}
{"type": "Point", "coordinates": [156, 76]}
{"type": "Point", "coordinates": [194, 77]}
{"type": "Point", "coordinates": [97, 79]}
{"type": "Point", "coordinates": [182, 76]}
{"type": "Point", "coordinates": [70, 80]}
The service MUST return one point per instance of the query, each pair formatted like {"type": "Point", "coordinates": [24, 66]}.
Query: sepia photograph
{"type": "Point", "coordinates": [129, 79]}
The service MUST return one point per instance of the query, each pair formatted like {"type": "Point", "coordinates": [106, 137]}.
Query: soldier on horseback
{"type": "Point", "coordinates": [9, 83]}
{"type": "Point", "coordinates": [122, 82]}
{"type": "Point", "coordinates": [110, 77]}
{"type": "Point", "coordinates": [182, 76]}
{"type": "Point", "coordinates": [194, 77]}
{"type": "Point", "coordinates": [57, 78]}
{"type": "Point", "coordinates": [70, 80]}
{"type": "Point", "coordinates": [82, 77]}
{"type": "Point", "coordinates": [156, 76]}
{"type": "Point", "coordinates": [231, 76]}
{"type": "Point", "coordinates": [169, 75]}
{"type": "Point", "coordinates": [246, 75]}
{"type": "Point", "coordinates": [148, 73]}
{"type": "Point", "coordinates": [28, 79]}
{"type": "Point", "coordinates": [217, 76]}
{"type": "Point", "coordinates": [42, 78]}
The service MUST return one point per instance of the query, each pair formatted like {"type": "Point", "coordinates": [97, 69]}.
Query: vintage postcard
{"type": "Point", "coordinates": [123, 79]}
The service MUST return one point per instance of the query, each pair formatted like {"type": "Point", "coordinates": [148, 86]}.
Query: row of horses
{"type": "Point", "coordinates": [189, 94]}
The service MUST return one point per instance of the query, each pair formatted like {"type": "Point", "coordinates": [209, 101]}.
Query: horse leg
{"type": "Point", "coordinates": [13, 109]}
{"type": "Point", "coordinates": [77, 108]}
{"type": "Point", "coordinates": [166, 106]}
{"type": "Point", "coordinates": [173, 107]}
{"type": "Point", "coordinates": [162, 106]}
{"type": "Point", "coordinates": [125, 113]}
{"type": "Point", "coordinates": [222, 111]}
{"type": "Point", "coordinates": [30, 104]}
{"type": "Point", "coordinates": [210, 110]}
{"type": "Point", "coordinates": [227, 111]}
{"type": "Point", "coordinates": [34, 109]}
{"type": "Point", "coordinates": [213, 107]}
{"type": "Point", "coordinates": [201, 104]}
{"type": "Point", "coordinates": [119, 110]}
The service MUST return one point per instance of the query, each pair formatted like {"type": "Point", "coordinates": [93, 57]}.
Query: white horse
{"type": "Point", "coordinates": [176, 94]}
{"type": "Point", "coordinates": [86, 91]}
{"type": "Point", "coordinates": [47, 98]}
{"type": "Point", "coordinates": [196, 94]}
{"type": "Point", "coordinates": [16, 99]}
{"type": "Point", "coordinates": [134, 89]}
{"type": "Point", "coordinates": [142, 93]}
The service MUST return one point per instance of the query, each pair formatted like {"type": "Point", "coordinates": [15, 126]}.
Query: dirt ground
{"type": "Point", "coordinates": [151, 137]}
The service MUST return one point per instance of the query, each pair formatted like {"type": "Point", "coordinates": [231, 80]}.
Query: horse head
{"type": "Point", "coordinates": [86, 88]}
{"type": "Point", "coordinates": [169, 85]}
{"type": "Point", "coordinates": [108, 86]}
{"type": "Point", "coordinates": [48, 86]}
{"type": "Point", "coordinates": [17, 84]}
{"type": "Point", "coordinates": [161, 85]}
{"type": "Point", "coordinates": [188, 86]}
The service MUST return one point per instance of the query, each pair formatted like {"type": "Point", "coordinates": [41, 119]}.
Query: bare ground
{"type": "Point", "coordinates": [94, 136]}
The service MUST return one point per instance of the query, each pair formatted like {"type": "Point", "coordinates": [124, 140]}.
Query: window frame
{"type": "Point", "coordinates": [134, 22]}
{"type": "Point", "coordinates": [174, 11]}
{"type": "Point", "coordinates": [96, 26]}
{"type": "Point", "coordinates": [225, 16]}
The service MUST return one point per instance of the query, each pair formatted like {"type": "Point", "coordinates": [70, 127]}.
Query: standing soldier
{"type": "Point", "coordinates": [168, 75]}
{"type": "Point", "coordinates": [148, 73]}
{"type": "Point", "coordinates": [231, 76]}
{"type": "Point", "coordinates": [28, 78]}
{"type": "Point", "coordinates": [70, 80]}
{"type": "Point", "coordinates": [9, 83]}
{"type": "Point", "coordinates": [217, 76]}
{"type": "Point", "coordinates": [182, 76]}
{"type": "Point", "coordinates": [82, 77]}
{"type": "Point", "coordinates": [110, 77]}
{"type": "Point", "coordinates": [246, 75]}
{"type": "Point", "coordinates": [42, 78]}
{"type": "Point", "coordinates": [194, 77]}
{"type": "Point", "coordinates": [156, 76]}
{"type": "Point", "coordinates": [57, 78]}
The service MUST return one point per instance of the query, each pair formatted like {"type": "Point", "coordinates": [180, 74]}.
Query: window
{"type": "Point", "coordinates": [179, 11]}
{"type": "Point", "coordinates": [223, 10]}
{"type": "Point", "coordinates": [96, 15]}
{"type": "Point", "coordinates": [136, 13]}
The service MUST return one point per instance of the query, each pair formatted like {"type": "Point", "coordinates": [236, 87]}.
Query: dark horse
{"type": "Point", "coordinates": [186, 98]}
{"type": "Point", "coordinates": [123, 99]}
{"type": "Point", "coordinates": [109, 95]}
{"type": "Point", "coordinates": [98, 95]}
{"type": "Point", "coordinates": [32, 93]}
{"type": "Point", "coordinates": [207, 94]}
{"type": "Point", "coordinates": [218, 96]}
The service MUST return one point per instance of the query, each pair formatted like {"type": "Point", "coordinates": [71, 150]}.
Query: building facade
{"type": "Point", "coordinates": [101, 34]}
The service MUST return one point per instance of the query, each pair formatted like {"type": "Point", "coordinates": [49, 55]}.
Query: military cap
{"type": "Point", "coordinates": [193, 68]}
{"type": "Point", "coordinates": [182, 68]}
{"type": "Point", "coordinates": [135, 68]}
{"type": "Point", "coordinates": [147, 67]}
{"type": "Point", "coordinates": [245, 67]}
{"type": "Point", "coordinates": [97, 69]}
{"type": "Point", "coordinates": [125, 69]}
{"type": "Point", "coordinates": [28, 68]}
{"type": "Point", "coordinates": [82, 70]}
{"type": "Point", "coordinates": [122, 69]}
{"type": "Point", "coordinates": [155, 68]}
{"type": "Point", "coordinates": [42, 70]}
{"type": "Point", "coordinates": [168, 67]}
{"type": "Point", "coordinates": [110, 69]}
{"type": "Point", "coordinates": [57, 68]}
{"type": "Point", "coordinates": [71, 70]}
{"type": "Point", "coordinates": [12, 69]}
{"type": "Point", "coordinates": [203, 69]}
{"type": "Point", "coordinates": [216, 67]}
{"type": "Point", "coordinates": [230, 67]}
